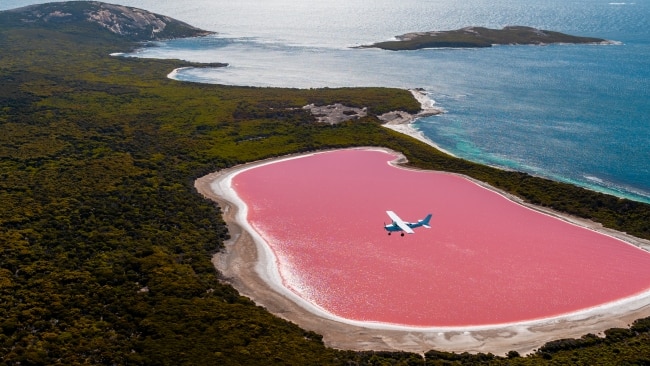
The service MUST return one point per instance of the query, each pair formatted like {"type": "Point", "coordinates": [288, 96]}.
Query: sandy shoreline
{"type": "Point", "coordinates": [249, 265]}
{"type": "Point", "coordinates": [402, 121]}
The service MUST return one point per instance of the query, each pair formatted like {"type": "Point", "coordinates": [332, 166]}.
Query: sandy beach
{"type": "Point", "coordinates": [248, 264]}
{"type": "Point", "coordinates": [402, 121]}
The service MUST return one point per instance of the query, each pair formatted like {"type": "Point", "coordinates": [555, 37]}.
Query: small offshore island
{"type": "Point", "coordinates": [478, 37]}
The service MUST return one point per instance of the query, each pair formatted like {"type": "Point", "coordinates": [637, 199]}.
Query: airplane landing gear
{"type": "Point", "coordinates": [402, 234]}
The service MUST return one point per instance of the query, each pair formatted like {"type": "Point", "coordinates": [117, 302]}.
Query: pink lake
{"type": "Point", "coordinates": [485, 260]}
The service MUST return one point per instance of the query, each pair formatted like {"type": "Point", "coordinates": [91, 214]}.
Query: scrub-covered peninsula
{"type": "Point", "coordinates": [475, 37]}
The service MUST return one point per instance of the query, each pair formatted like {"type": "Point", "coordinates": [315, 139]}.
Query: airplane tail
{"type": "Point", "coordinates": [425, 221]}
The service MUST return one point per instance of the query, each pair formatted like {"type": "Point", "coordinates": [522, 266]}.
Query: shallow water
{"type": "Point", "coordinates": [575, 113]}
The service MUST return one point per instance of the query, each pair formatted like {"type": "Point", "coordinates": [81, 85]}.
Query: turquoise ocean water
{"type": "Point", "coordinates": [574, 113]}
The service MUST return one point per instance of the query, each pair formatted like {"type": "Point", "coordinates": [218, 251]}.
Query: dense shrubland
{"type": "Point", "coordinates": [105, 245]}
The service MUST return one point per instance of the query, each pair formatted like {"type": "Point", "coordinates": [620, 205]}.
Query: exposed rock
{"type": "Point", "coordinates": [335, 113]}
{"type": "Point", "coordinates": [133, 23]}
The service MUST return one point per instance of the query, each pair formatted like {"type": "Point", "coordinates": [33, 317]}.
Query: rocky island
{"type": "Point", "coordinates": [473, 37]}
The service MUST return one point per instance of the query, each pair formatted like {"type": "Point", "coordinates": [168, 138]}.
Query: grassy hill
{"type": "Point", "coordinates": [106, 245]}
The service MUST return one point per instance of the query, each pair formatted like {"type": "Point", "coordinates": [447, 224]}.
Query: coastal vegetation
{"type": "Point", "coordinates": [476, 37]}
{"type": "Point", "coordinates": [106, 246]}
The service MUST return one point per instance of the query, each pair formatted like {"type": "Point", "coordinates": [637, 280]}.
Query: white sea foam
{"type": "Point", "coordinates": [594, 179]}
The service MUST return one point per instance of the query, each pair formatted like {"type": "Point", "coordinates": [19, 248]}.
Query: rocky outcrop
{"type": "Point", "coordinates": [133, 23]}
{"type": "Point", "coordinates": [335, 113]}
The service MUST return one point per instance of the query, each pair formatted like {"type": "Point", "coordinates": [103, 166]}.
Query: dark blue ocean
{"type": "Point", "coordinates": [573, 113]}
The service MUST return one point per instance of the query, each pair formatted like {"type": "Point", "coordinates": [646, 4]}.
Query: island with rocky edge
{"type": "Point", "coordinates": [473, 37]}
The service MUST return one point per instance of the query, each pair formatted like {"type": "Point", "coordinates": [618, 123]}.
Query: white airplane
{"type": "Point", "coordinates": [405, 227]}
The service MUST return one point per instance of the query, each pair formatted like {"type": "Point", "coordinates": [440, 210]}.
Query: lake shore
{"type": "Point", "coordinates": [246, 264]}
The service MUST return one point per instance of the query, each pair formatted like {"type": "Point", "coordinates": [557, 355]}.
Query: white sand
{"type": "Point", "coordinates": [402, 122]}
{"type": "Point", "coordinates": [250, 266]}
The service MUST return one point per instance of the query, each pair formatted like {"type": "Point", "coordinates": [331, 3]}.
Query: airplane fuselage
{"type": "Point", "coordinates": [395, 226]}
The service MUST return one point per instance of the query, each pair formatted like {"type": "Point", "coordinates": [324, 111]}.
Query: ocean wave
{"type": "Point", "coordinates": [616, 189]}
{"type": "Point", "coordinates": [593, 179]}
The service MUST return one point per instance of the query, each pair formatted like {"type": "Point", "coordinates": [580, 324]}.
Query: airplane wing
{"type": "Point", "coordinates": [399, 222]}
